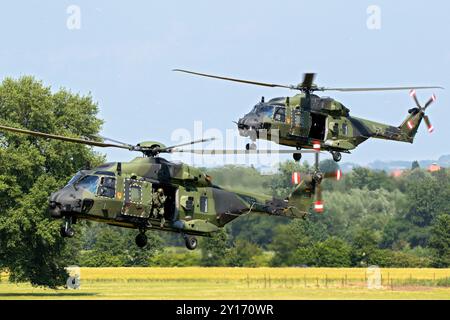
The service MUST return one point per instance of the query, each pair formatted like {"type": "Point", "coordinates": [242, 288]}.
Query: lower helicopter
{"type": "Point", "coordinates": [150, 192]}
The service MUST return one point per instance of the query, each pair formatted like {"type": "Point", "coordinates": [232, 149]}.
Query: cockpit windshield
{"type": "Point", "coordinates": [74, 179]}
{"type": "Point", "coordinates": [89, 183]}
{"type": "Point", "coordinates": [264, 109]}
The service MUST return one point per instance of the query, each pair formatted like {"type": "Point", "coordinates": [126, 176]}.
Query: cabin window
{"type": "Point", "coordinates": [189, 204]}
{"type": "Point", "coordinates": [335, 130]}
{"type": "Point", "coordinates": [344, 129]}
{"type": "Point", "coordinates": [107, 187]}
{"type": "Point", "coordinates": [135, 193]}
{"type": "Point", "coordinates": [204, 204]}
{"type": "Point", "coordinates": [280, 114]}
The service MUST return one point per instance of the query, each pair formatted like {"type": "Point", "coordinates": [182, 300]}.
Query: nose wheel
{"type": "Point", "coordinates": [250, 146]}
{"type": "Point", "coordinates": [141, 239]}
{"type": "Point", "coordinates": [66, 229]}
{"type": "Point", "coordinates": [297, 156]}
{"type": "Point", "coordinates": [337, 156]}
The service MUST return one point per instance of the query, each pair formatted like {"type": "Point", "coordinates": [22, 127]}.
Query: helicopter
{"type": "Point", "coordinates": [301, 120]}
{"type": "Point", "coordinates": [120, 193]}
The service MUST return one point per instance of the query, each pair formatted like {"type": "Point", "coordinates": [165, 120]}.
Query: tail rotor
{"type": "Point", "coordinates": [419, 112]}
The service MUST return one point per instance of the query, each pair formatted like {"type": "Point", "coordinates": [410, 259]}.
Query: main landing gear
{"type": "Point", "coordinates": [337, 156]}
{"type": "Point", "coordinates": [190, 241]}
{"type": "Point", "coordinates": [66, 229]}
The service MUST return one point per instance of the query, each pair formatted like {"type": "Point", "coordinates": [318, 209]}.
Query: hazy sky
{"type": "Point", "coordinates": [123, 53]}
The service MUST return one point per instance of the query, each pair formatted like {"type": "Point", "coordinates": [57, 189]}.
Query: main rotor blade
{"type": "Point", "coordinates": [375, 89]}
{"type": "Point", "coordinates": [63, 138]}
{"type": "Point", "coordinates": [189, 143]}
{"type": "Point", "coordinates": [115, 141]}
{"type": "Point", "coordinates": [272, 85]}
{"type": "Point", "coordinates": [249, 152]}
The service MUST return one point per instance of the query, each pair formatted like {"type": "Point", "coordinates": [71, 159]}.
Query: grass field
{"type": "Point", "coordinates": [242, 283]}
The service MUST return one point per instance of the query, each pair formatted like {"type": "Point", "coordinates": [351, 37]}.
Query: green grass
{"type": "Point", "coordinates": [212, 289]}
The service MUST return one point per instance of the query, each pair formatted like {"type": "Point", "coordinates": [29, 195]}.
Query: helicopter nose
{"type": "Point", "coordinates": [64, 201]}
{"type": "Point", "coordinates": [249, 122]}
{"type": "Point", "coordinates": [54, 207]}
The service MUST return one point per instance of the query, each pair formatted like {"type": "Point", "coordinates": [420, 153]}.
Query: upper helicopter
{"type": "Point", "coordinates": [302, 120]}
{"type": "Point", "coordinates": [150, 192]}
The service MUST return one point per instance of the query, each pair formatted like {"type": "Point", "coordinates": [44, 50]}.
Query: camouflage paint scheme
{"type": "Point", "coordinates": [194, 206]}
{"type": "Point", "coordinates": [335, 129]}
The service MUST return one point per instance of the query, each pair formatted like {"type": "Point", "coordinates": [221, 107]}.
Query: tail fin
{"type": "Point", "coordinates": [410, 125]}
{"type": "Point", "coordinates": [300, 200]}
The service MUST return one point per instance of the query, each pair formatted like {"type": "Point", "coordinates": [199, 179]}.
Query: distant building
{"type": "Point", "coordinates": [397, 173]}
{"type": "Point", "coordinates": [434, 167]}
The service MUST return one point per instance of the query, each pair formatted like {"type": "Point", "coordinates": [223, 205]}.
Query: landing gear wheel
{"type": "Point", "coordinates": [251, 146]}
{"type": "Point", "coordinates": [66, 232]}
{"type": "Point", "coordinates": [297, 156]}
{"type": "Point", "coordinates": [191, 242]}
{"type": "Point", "coordinates": [141, 240]}
{"type": "Point", "coordinates": [336, 156]}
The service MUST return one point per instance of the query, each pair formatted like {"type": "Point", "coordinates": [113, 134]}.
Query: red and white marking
{"type": "Point", "coordinates": [338, 175]}
{"type": "Point", "coordinates": [412, 93]}
{"type": "Point", "coordinates": [296, 178]}
{"type": "Point", "coordinates": [430, 129]}
{"type": "Point", "coordinates": [410, 124]}
{"type": "Point", "coordinates": [433, 97]}
{"type": "Point", "coordinates": [318, 206]}
{"type": "Point", "coordinates": [316, 145]}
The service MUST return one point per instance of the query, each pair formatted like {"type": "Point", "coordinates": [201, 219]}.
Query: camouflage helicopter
{"type": "Point", "coordinates": [121, 193]}
{"type": "Point", "coordinates": [301, 120]}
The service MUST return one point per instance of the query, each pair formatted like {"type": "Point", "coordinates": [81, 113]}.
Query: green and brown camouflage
{"type": "Point", "coordinates": [194, 204]}
{"type": "Point", "coordinates": [123, 193]}
{"type": "Point", "coordinates": [288, 120]}
{"type": "Point", "coordinates": [307, 120]}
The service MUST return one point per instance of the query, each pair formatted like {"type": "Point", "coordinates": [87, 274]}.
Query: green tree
{"type": "Point", "coordinates": [364, 247]}
{"type": "Point", "coordinates": [215, 249]}
{"type": "Point", "coordinates": [333, 252]}
{"type": "Point", "coordinates": [440, 241]}
{"type": "Point", "coordinates": [31, 168]}
{"type": "Point", "coordinates": [243, 254]}
{"type": "Point", "coordinates": [365, 178]}
{"type": "Point", "coordinates": [114, 247]}
{"type": "Point", "coordinates": [290, 238]}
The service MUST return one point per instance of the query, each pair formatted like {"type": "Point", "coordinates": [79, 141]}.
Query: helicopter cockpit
{"type": "Point", "coordinates": [263, 109]}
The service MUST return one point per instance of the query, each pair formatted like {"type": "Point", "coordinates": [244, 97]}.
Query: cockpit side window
{"type": "Point", "coordinates": [280, 114]}
{"type": "Point", "coordinates": [89, 183]}
{"type": "Point", "coordinates": [107, 187]}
